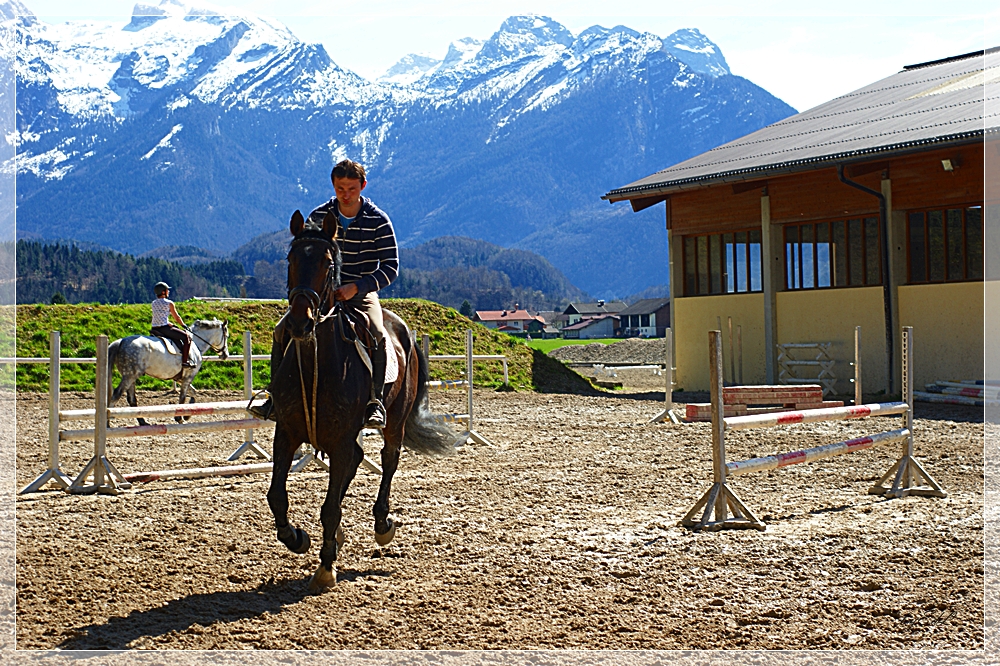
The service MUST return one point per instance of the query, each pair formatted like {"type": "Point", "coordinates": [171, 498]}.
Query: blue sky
{"type": "Point", "coordinates": [805, 57]}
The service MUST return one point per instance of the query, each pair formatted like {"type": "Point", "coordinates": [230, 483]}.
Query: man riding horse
{"type": "Point", "coordinates": [370, 262]}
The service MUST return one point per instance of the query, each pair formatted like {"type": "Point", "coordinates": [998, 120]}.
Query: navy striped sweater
{"type": "Point", "coordinates": [367, 246]}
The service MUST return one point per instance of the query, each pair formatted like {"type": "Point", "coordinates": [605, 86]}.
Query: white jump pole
{"type": "Point", "coordinates": [907, 473]}
{"type": "Point", "coordinates": [248, 440]}
{"type": "Point", "coordinates": [471, 433]}
{"type": "Point", "coordinates": [720, 497]}
{"type": "Point", "coordinates": [668, 374]}
{"type": "Point", "coordinates": [107, 479]}
{"type": "Point", "coordinates": [53, 473]}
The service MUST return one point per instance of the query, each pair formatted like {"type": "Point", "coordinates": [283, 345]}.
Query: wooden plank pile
{"type": "Point", "coordinates": [745, 400]}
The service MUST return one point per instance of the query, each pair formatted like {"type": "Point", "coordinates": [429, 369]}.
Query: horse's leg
{"type": "Point", "coordinates": [350, 456]}
{"type": "Point", "coordinates": [185, 385]}
{"type": "Point", "coordinates": [294, 538]}
{"type": "Point", "coordinates": [133, 402]}
{"type": "Point", "coordinates": [392, 436]}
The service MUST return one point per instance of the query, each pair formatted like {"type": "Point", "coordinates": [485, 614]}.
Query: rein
{"type": "Point", "coordinates": [315, 302]}
{"type": "Point", "coordinates": [208, 343]}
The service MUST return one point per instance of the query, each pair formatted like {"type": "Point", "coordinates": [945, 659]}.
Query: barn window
{"type": "Point", "coordinates": [722, 263]}
{"type": "Point", "coordinates": [945, 245]}
{"type": "Point", "coordinates": [840, 253]}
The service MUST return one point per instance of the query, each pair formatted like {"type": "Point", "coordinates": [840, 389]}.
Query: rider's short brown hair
{"type": "Point", "coordinates": [348, 169]}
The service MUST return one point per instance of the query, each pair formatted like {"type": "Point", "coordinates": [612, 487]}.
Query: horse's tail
{"type": "Point", "coordinates": [112, 360]}
{"type": "Point", "coordinates": [424, 432]}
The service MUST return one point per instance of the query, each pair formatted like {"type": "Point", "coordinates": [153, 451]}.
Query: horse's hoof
{"type": "Point", "coordinates": [322, 579]}
{"type": "Point", "coordinates": [340, 537]}
{"type": "Point", "coordinates": [300, 544]}
{"type": "Point", "coordinates": [179, 419]}
{"type": "Point", "coordinates": [384, 539]}
{"type": "Point", "coordinates": [142, 422]}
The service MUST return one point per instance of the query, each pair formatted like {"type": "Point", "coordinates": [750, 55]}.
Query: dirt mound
{"type": "Point", "coordinates": [629, 350]}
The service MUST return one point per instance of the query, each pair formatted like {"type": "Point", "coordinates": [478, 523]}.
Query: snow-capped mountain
{"type": "Point", "coordinates": [209, 129]}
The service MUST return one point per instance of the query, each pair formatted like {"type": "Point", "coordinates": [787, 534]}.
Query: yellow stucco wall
{"type": "Point", "coordinates": [830, 315]}
{"type": "Point", "coordinates": [992, 311]}
{"type": "Point", "coordinates": [947, 321]}
{"type": "Point", "coordinates": [697, 315]}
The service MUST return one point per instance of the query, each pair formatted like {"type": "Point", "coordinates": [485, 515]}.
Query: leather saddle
{"type": "Point", "coordinates": [355, 325]}
{"type": "Point", "coordinates": [172, 347]}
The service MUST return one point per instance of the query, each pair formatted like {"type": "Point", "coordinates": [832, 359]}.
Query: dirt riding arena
{"type": "Point", "coordinates": [562, 536]}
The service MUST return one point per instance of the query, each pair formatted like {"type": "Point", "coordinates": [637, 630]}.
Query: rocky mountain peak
{"type": "Point", "coordinates": [696, 51]}
{"type": "Point", "coordinates": [521, 35]}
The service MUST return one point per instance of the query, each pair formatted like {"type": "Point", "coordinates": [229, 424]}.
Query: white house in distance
{"type": "Point", "coordinates": [648, 318]}
{"type": "Point", "coordinates": [591, 328]}
{"type": "Point", "coordinates": [511, 321]}
{"type": "Point", "coordinates": [577, 312]}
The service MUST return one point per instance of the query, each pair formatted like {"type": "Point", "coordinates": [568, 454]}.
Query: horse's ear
{"type": "Point", "coordinates": [331, 224]}
{"type": "Point", "coordinates": [297, 223]}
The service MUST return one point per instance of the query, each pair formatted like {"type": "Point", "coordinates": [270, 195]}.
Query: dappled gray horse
{"type": "Point", "coordinates": [139, 355]}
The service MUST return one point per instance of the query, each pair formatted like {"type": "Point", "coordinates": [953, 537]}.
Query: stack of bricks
{"type": "Point", "coordinates": [744, 400]}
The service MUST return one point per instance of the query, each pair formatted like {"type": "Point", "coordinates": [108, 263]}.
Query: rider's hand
{"type": "Point", "coordinates": [346, 292]}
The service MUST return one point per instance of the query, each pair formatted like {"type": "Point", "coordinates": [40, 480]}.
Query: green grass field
{"type": "Point", "coordinates": [545, 346]}
{"type": "Point", "coordinates": [81, 324]}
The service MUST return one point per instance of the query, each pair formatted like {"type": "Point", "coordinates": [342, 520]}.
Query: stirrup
{"type": "Point", "coordinates": [265, 411]}
{"type": "Point", "coordinates": [376, 419]}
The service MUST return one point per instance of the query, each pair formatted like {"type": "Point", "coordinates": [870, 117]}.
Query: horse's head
{"type": "Point", "coordinates": [313, 274]}
{"type": "Point", "coordinates": [214, 333]}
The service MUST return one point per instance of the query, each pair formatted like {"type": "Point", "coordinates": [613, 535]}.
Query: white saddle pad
{"type": "Point", "coordinates": [391, 366]}
{"type": "Point", "coordinates": [170, 345]}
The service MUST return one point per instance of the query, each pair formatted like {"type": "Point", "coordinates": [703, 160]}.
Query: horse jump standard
{"type": "Point", "coordinates": [720, 498]}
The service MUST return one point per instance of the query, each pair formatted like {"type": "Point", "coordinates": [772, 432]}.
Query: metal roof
{"type": "Point", "coordinates": [645, 306]}
{"type": "Point", "coordinates": [935, 103]}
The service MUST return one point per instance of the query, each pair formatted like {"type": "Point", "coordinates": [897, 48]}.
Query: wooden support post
{"type": "Point", "coordinates": [739, 353]}
{"type": "Point", "coordinates": [53, 473]}
{"type": "Point", "coordinates": [732, 354]}
{"type": "Point", "coordinates": [720, 498]}
{"type": "Point", "coordinates": [248, 440]}
{"type": "Point", "coordinates": [107, 479]}
{"type": "Point", "coordinates": [858, 400]}
{"type": "Point", "coordinates": [909, 477]}
{"type": "Point", "coordinates": [668, 376]}
{"type": "Point", "coordinates": [471, 434]}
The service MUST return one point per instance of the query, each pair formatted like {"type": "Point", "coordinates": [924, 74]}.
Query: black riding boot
{"type": "Point", "coordinates": [266, 411]}
{"type": "Point", "coordinates": [375, 412]}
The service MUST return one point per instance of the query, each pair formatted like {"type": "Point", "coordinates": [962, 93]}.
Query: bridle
{"type": "Point", "coordinates": [225, 337]}
{"type": "Point", "coordinates": [315, 299]}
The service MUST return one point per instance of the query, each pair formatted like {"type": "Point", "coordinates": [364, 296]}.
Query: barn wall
{"type": "Point", "coordinates": [830, 315]}
{"type": "Point", "coordinates": [698, 315]}
{"type": "Point", "coordinates": [947, 321]}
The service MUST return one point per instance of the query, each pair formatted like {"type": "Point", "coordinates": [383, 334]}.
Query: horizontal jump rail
{"type": "Point", "coordinates": [198, 472]}
{"type": "Point", "coordinates": [815, 453]}
{"type": "Point", "coordinates": [460, 357]}
{"type": "Point", "coordinates": [196, 409]}
{"type": "Point", "coordinates": [83, 359]}
{"type": "Point", "coordinates": [167, 429]}
{"type": "Point", "coordinates": [447, 383]}
{"type": "Point", "coordinates": [814, 415]}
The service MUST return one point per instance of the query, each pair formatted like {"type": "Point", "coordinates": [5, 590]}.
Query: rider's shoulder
{"type": "Point", "coordinates": [371, 210]}
{"type": "Point", "coordinates": [315, 218]}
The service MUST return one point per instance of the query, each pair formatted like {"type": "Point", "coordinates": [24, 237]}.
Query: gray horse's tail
{"type": "Point", "coordinates": [112, 360]}
{"type": "Point", "coordinates": [425, 433]}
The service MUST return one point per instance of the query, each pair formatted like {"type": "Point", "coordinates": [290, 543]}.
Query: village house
{"type": "Point", "coordinates": [863, 211]}
{"type": "Point", "coordinates": [576, 312]}
{"type": "Point", "coordinates": [648, 318]}
{"type": "Point", "coordinates": [592, 328]}
{"type": "Point", "coordinates": [508, 321]}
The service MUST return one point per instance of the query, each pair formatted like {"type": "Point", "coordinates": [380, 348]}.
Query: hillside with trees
{"type": "Point", "coordinates": [60, 273]}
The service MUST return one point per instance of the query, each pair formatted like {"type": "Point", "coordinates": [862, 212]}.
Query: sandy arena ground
{"type": "Point", "coordinates": [564, 535]}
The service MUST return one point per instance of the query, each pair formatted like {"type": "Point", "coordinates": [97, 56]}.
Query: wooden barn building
{"type": "Point", "coordinates": [864, 211]}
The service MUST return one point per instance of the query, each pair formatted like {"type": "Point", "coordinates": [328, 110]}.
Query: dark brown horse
{"type": "Point", "coordinates": [321, 388]}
